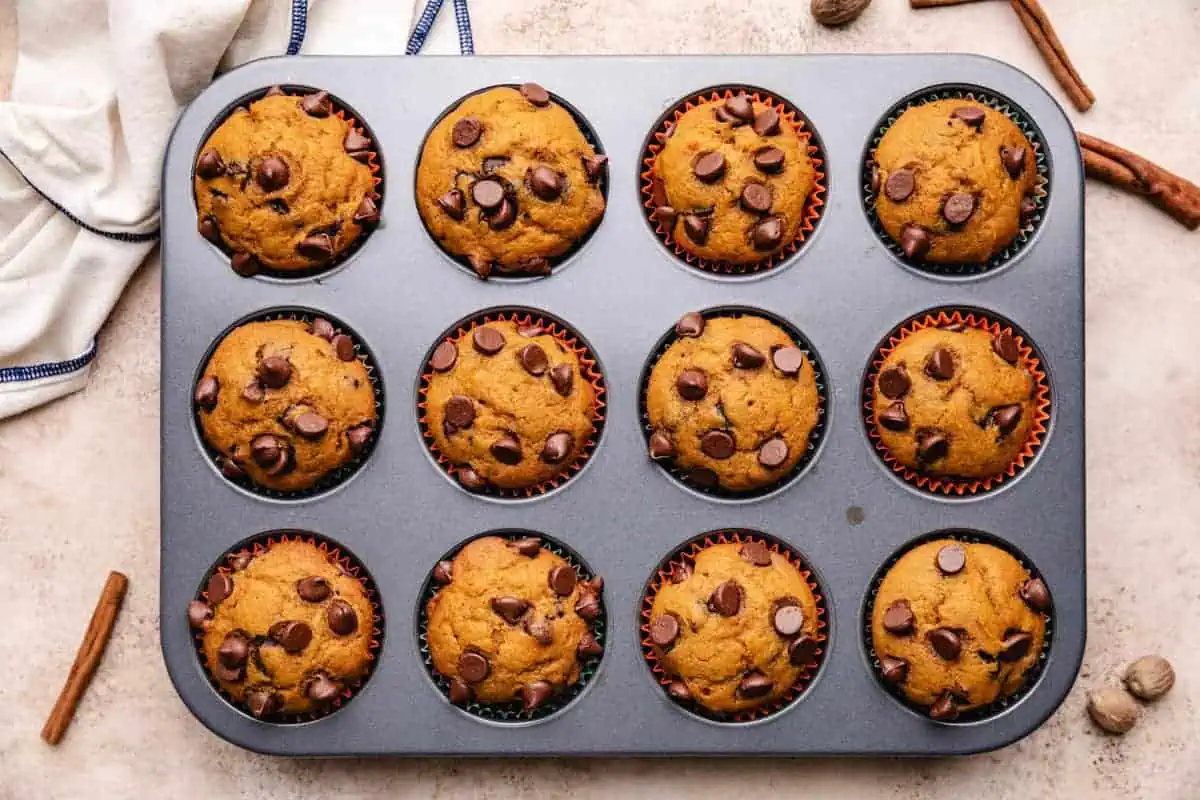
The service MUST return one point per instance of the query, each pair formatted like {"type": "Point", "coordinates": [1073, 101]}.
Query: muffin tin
{"type": "Point", "coordinates": [844, 516]}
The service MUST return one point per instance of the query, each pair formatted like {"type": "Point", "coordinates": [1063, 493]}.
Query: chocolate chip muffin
{"type": "Point", "coordinates": [508, 181]}
{"type": "Point", "coordinates": [508, 405]}
{"type": "Point", "coordinates": [955, 401]}
{"type": "Point", "coordinates": [736, 629]}
{"type": "Point", "coordinates": [731, 180]}
{"type": "Point", "coordinates": [285, 184]}
{"type": "Point", "coordinates": [731, 403]}
{"type": "Point", "coordinates": [285, 403]}
{"type": "Point", "coordinates": [957, 626]}
{"type": "Point", "coordinates": [285, 630]}
{"type": "Point", "coordinates": [954, 181]}
{"type": "Point", "coordinates": [512, 621]}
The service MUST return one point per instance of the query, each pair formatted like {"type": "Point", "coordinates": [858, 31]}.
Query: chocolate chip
{"type": "Point", "coordinates": [358, 436]}
{"type": "Point", "coordinates": [1007, 418]}
{"type": "Point", "coordinates": [726, 599]}
{"type": "Point", "coordinates": [658, 192]}
{"type": "Point", "coordinates": [718, 444]}
{"type": "Point", "coordinates": [768, 234]}
{"type": "Point", "coordinates": [539, 629]}
{"type": "Point", "coordinates": [545, 183]}
{"type": "Point", "coordinates": [535, 694]}
{"type": "Point", "coordinates": [208, 228]}
{"type": "Point", "coordinates": [720, 114]}
{"type": "Point", "coordinates": [322, 328]}
{"type": "Point", "coordinates": [1014, 160]}
{"type": "Point", "coordinates": [357, 146]}
{"type": "Point", "coordinates": [766, 122]}
{"type": "Point", "coordinates": [263, 702]}
{"type": "Point", "coordinates": [679, 691]}
{"type": "Point", "coordinates": [272, 173]}
{"type": "Point", "coordinates": [562, 580]}
{"type": "Point", "coordinates": [893, 382]}
{"type": "Point", "coordinates": [310, 425]}
{"type": "Point", "coordinates": [487, 193]}
{"type": "Point", "coordinates": [914, 241]}
{"type": "Point", "coordinates": [595, 584]}
{"type": "Point", "coordinates": [367, 212]}
{"type": "Point", "coordinates": [1005, 346]}
{"type": "Point", "coordinates": [1015, 646]}
{"type": "Point", "coordinates": [317, 104]}
{"type": "Point", "coordinates": [274, 372]}
{"type": "Point", "coordinates": [875, 180]}
{"type": "Point", "coordinates": [443, 573]}
{"type": "Point", "coordinates": [471, 479]}
{"type": "Point", "coordinates": [661, 447]}
{"type": "Point", "coordinates": [530, 330]}
{"type": "Point", "coordinates": [444, 356]}
{"type": "Point", "coordinates": [588, 606]}
{"type": "Point", "coordinates": [756, 198]}
{"type": "Point", "coordinates": [239, 561]}
{"type": "Point", "coordinates": [487, 340]}
{"type": "Point", "coordinates": [900, 185]}
{"type": "Point", "coordinates": [505, 215]}
{"type": "Point", "coordinates": [244, 264]}
{"type": "Point", "coordinates": [1034, 593]}
{"type": "Point", "coordinates": [234, 650]}
{"type": "Point", "coordinates": [665, 215]}
{"type": "Point", "coordinates": [944, 709]}
{"type": "Point", "coordinates": [535, 94]}
{"type": "Point", "coordinates": [940, 365]}
{"type": "Point", "coordinates": [533, 359]}
{"type": "Point", "coordinates": [341, 618]}
{"type": "Point", "coordinates": [1028, 207]}
{"type": "Point", "coordinates": [562, 376]}
{"type": "Point", "coordinates": [894, 670]}
{"type": "Point", "coordinates": [709, 167]}
{"type": "Point", "coordinates": [473, 667]}
{"type": "Point", "coordinates": [232, 469]}
{"type": "Point", "coordinates": [199, 613]}
{"type": "Point", "coordinates": [951, 559]}
{"type": "Point", "coordinates": [265, 449]}
{"type": "Point", "coordinates": [696, 227]}
{"type": "Point", "coordinates": [664, 629]}
{"type": "Point", "coordinates": [460, 693]}
{"type": "Point", "coordinates": [210, 165]}
{"type": "Point", "coordinates": [459, 412]}
{"type": "Point", "coordinates": [557, 447]}
{"type": "Point", "coordinates": [322, 689]}
{"type": "Point", "coordinates": [220, 586]}
{"type": "Point", "coordinates": [343, 346]}
{"type": "Point", "coordinates": [788, 360]}
{"type": "Point", "coordinates": [317, 247]}
{"type": "Point", "coordinates": [588, 647]}
{"type": "Point", "coordinates": [740, 107]}
{"type": "Point", "coordinates": [769, 160]}
{"type": "Point", "coordinates": [690, 324]}
{"type": "Point", "coordinates": [313, 589]}
{"type": "Point", "coordinates": [945, 643]}
{"type": "Point", "coordinates": [507, 450]}
{"type": "Point", "coordinates": [703, 477]}
{"type": "Point", "coordinates": [971, 116]}
{"type": "Point", "coordinates": [958, 208]}
{"type": "Point", "coordinates": [466, 132]}
{"type": "Point", "coordinates": [756, 685]}
{"type": "Point", "coordinates": [788, 620]}
{"type": "Point", "coordinates": [773, 453]}
{"type": "Point", "coordinates": [509, 607]}
{"type": "Point", "coordinates": [692, 384]}
{"type": "Point", "coordinates": [681, 571]}
{"type": "Point", "coordinates": [898, 618]}
{"type": "Point", "coordinates": [206, 392]}
{"type": "Point", "coordinates": [746, 357]}
{"type": "Point", "coordinates": [527, 546]}
{"type": "Point", "coordinates": [802, 651]}
{"type": "Point", "coordinates": [292, 635]}
{"type": "Point", "coordinates": [594, 166]}
{"type": "Point", "coordinates": [932, 444]}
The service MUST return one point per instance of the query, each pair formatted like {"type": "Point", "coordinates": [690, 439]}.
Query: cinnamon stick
{"type": "Point", "coordinates": [1125, 170]}
{"type": "Point", "coordinates": [95, 639]}
{"type": "Point", "coordinates": [1034, 18]}
{"type": "Point", "coordinates": [938, 3]}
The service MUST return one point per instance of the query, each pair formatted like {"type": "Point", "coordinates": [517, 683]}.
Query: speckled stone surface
{"type": "Point", "coordinates": [79, 479]}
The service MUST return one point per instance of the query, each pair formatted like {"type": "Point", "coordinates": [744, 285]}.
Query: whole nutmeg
{"type": "Point", "coordinates": [837, 12]}
{"type": "Point", "coordinates": [1150, 677]}
{"type": "Point", "coordinates": [1113, 709]}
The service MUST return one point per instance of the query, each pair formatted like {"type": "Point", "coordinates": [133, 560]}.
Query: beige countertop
{"type": "Point", "coordinates": [79, 479]}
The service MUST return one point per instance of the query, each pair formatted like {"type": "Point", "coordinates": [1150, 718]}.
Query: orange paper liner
{"type": "Point", "coordinates": [589, 369]}
{"type": "Point", "coordinates": [348, 564]}
{"type": "Point", "coordinates": [948, 485]}
{"type": "Point", "coordinates": [813, 205]}
{"type": "Point", "coordinates": [684, 558]}
{"type": "Point", "coordinates": [372, 162]}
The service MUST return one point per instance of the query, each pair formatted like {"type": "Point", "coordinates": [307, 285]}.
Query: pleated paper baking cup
{"type": "Point", "coordinates": [815, 438]}
{"type": "Point", "coordinates": [369, 157]}
{"type": "Point", "coordinates": [1029, 357]}
{"type": "Point", "coordinates": [1041, 189]}
{"type": "Point", "coordinates": [513, 712]}
{"type": "Point", "coordinates": [680, 563]}
{"type": "Point", "coordinates": [348, 564]}
{"type": "Point", "coordinates": [789, 115]}
{"type": "Point", "coordinates": [1001, 704]}
{"type": "Point", "coordinates": [589, 368]}
{"type": "Point", "coordinates": [335, 477]}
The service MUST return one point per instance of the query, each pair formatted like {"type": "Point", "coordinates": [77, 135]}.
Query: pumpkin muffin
{"type": "Point", "coordinates": [731, 403]}
{"type": "Point", "coordinates": [284, 631]}
{"type": "Point", "coordinates": [285, 403]}
{"type": "Point", "coordinates": [954, 181]}
{"type": "Point", "coordinates": [955, 401]}
{"type": "Point", "coordinates": [511, 621]}
{"type": "Point", "coordinates": [508, 405]}
{"type": "Point", "coordinates": [736, 630]}
{"type": "Point", "coordinates": [957, 626]}
{"type": "Point", "coordinates": [731, 181]}
{"type": "Point", "coordinates": [508, 181]}
{"type": "Point", "coordinates": [285, 184]}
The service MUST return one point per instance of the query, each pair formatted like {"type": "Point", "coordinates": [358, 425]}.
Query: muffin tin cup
{"type": "Point", "coordinates": [815, 438]}
{"type": "Point", "coordinates": [682, 559]}
{"type": "Point", "coordinates": [1002, 704]}
{"type": "Point", "coordinates": [813, 205]}
{"type": "Point", "coordinates": [373, 162]}
{"type": "Point", "coordinates": [334, 478]}
{"type": "Point", "coordinates": [1030, 358]}
{"type": "Point", "coordinates": [512, 712]}
{"type": "Point", "coordinates": [589, 368]}
{"type": "Point", "coordinates": [343, 560]}
{"type": "Point", "coordinates": [1041, 189]}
